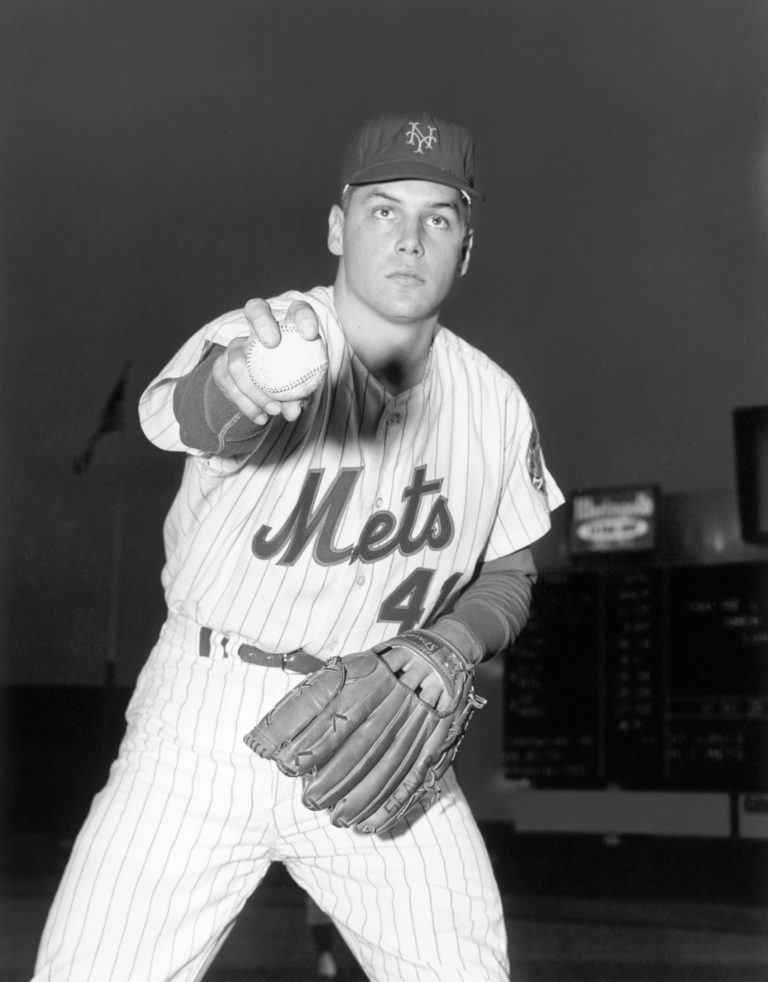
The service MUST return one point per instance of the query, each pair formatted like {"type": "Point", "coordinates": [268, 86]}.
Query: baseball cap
{"type": "Point", "coordinates": [413, 146]}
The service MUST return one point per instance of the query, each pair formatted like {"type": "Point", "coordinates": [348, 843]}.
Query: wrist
{"type": "Point", "coordinates": [461, 636]}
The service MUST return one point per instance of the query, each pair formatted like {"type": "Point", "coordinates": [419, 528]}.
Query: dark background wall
{"type": "Point", "coordinates": [163, 161]}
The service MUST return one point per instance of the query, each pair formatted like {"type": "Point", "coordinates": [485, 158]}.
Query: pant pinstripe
{"type": "Point", "coordinates": [190, 820]}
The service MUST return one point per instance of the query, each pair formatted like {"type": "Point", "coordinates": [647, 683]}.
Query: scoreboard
{"type": "Point", "coordinates": [642, 677]}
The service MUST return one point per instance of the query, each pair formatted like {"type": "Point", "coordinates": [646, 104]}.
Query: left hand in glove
{"type": "Point", "coordinates": [372, 733]}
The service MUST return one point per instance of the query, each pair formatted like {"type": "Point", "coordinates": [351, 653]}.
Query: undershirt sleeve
{"type": "Point", "coordinates": [493, 610]}
{"type": "Point", "coordinates": [208, 421]}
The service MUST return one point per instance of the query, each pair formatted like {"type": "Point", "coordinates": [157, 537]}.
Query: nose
{"type": "Point", "coordinates": [409, 242]}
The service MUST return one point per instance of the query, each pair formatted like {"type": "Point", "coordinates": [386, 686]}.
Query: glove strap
{"type": "Point", "coordinates": [455, 632]}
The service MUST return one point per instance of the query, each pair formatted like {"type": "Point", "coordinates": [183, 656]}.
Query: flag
{"type": "Point", "coordinates": [111, 420]}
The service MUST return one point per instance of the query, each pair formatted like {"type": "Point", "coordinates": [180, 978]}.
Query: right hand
{"type": "Point", "coordinates": [230, 370]}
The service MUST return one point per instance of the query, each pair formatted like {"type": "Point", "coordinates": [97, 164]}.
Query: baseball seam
{"type": "Point", "coordinates": [299, 380]}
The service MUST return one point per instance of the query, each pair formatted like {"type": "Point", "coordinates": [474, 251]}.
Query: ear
{"type": "Point", "coordinates": [466, 250]}
{"type": "Point", "coordinates": [335, 230]}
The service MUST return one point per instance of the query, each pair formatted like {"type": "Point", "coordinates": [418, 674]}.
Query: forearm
{"type": "Point", "coordinates": [493, 609]}
{"type": "Point", "coordinates": [208, 421]}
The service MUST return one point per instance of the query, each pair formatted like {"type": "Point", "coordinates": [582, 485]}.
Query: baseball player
{"type": "Point", "coordinates": [378, 526]}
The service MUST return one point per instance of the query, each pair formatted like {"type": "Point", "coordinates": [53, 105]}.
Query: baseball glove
{"type": "Point", "coordinates": [367, 747]}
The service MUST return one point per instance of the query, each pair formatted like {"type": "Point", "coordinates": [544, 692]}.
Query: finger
{"type": "Point", "coordinates": [427, 687]}
{"type": "Point", "coordinates": [291, 410]}
{"type": "Point", "coordinates": [250, 409]}
{"type": "Point", "coordinates": [262, 322]}
{"type": "Point", "coordinates": [431, 691]}
{"type": "Point", "coordinates": [417, 675]}
{"type": "Point", "coordinates": [402, 660]}
{"type": "Point", "coordinates": [305, 319]}
{"type": "Point", "coordinates": [397, 658]}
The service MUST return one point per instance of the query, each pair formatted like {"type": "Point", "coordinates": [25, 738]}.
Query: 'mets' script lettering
{"type": "Point", "coordinates": [382, 534]}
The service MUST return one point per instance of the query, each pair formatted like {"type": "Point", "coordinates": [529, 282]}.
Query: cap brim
{"type": "Point", "coordinates": [410, 170]}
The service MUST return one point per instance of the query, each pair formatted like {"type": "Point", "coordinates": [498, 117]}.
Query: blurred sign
{"type": "Point", "coordinates": [613, 521]}
{"type": "Point", "coordinates": [753, 816]}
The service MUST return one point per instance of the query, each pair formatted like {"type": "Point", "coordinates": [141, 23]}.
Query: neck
{"type": "Point", "coordinates": [395, 353]}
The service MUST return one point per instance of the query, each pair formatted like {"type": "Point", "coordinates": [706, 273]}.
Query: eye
{"type": "Point", "coordinates": [438, 221]}
{"type": "Point", "coordinates": [383, 211]}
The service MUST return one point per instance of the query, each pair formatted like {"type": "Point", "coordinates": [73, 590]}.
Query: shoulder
{"type": "Point", "coordinates": [464, 358]}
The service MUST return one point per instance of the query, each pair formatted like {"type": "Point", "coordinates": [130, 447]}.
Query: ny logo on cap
{"type": "Point", "coordinates": [415, 138]}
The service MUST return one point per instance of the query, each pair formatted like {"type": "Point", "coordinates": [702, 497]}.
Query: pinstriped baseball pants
{"type": "Point", "coordinates": [190, 820]}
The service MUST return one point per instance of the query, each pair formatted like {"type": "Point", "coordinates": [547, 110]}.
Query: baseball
{"type": "Point", "coordinates": [292, 370]}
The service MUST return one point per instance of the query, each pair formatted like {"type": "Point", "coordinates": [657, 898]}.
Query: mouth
{"type": "Point", "coordinates": [405, 277]}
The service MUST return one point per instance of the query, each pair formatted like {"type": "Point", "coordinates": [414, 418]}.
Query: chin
{"type": "Point", "coordinates": [409, 309]}
{"type": "Point", "coordinates": [409, 315]}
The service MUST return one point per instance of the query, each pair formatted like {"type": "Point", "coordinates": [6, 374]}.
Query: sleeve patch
{"type": "Point", "coordinates": [535, 460]}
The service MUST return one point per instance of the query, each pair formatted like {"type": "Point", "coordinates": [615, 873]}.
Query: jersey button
{"type": "Point", "coordinates": [379, 502]}
{"type": "Point", "coordinates": [360, 580]}
{"type": "Point", "coordinates": [394, 419]}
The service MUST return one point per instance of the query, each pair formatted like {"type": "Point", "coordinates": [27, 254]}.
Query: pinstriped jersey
{"type": "Point", "coordinates": [365, 516]}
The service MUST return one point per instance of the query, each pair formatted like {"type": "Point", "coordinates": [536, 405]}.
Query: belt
{"type": "Point", "coordinates": [291, 661]}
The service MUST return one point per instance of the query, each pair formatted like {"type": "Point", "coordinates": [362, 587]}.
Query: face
{"type": "Point", "coordinates": [401, 245]}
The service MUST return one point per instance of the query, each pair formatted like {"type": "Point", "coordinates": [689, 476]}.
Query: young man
{"type": "Point", "coordinates": [404, 492]}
